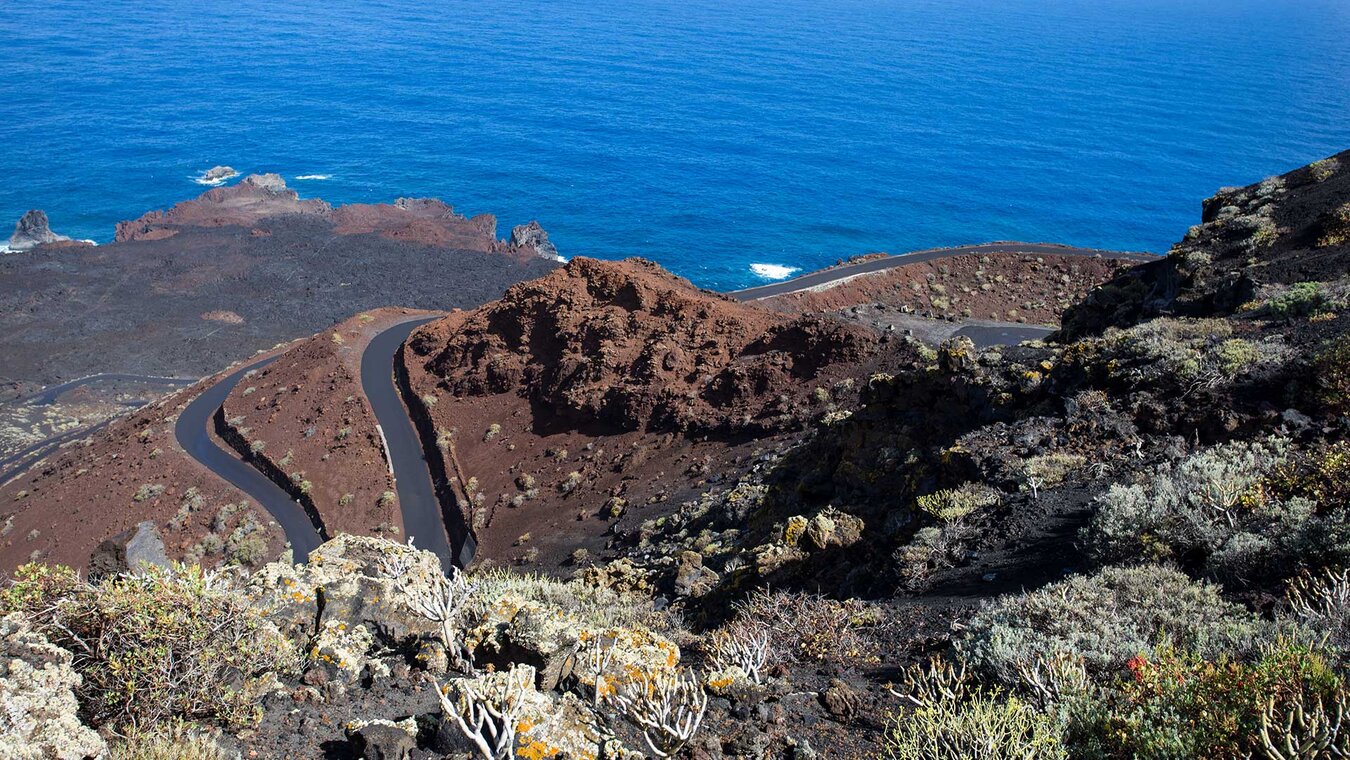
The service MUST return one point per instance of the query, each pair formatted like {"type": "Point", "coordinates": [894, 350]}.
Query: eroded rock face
{"type": "Point", "coordinates": [532, 236]}
{"type": "Point", "coordinates": [39, 717]}
{"type": "Point", "coordinates": [33, 230]}
{"type": "Point", "coordinates": [629, 346]}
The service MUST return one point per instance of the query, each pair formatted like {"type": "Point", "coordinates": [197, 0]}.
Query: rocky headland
{"type": "Point", "coordinates": [708, 528]}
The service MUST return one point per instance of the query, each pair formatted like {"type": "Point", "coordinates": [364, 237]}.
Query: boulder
{"type": "Point", "coordinates": [841, 700]}
{"type": "Point", "coordinates": [353, 589]}
{"type": "Point", "coordinates": [833, 528]}
{"type": "Point", "coordinates": [129, 551]}
{"type": "Point", "coordinates": [692, 577]}
{"type": "Point", "coordinates": [384, 739]}
{"type": "Point", "coordinates": [554, 626]}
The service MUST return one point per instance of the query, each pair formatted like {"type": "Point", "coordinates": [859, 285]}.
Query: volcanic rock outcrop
{"type": "Point", "coordinates": [259, 197]}
{"type": "Point", "coordinates": [629, 346]}
{"type": "Point", "coordinates": [1280, 231]}
{"type": "Point", "coordinates": [532, 236]}
{"type": "Point", "coordinates": [33, 230]}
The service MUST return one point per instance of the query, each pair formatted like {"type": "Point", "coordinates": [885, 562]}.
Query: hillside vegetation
{"type": "Point", "coordinates": [1129, 541]}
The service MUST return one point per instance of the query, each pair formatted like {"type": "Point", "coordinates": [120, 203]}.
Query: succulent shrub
{"type": "Point", "coordinates": [1302, 299]}
{"type": "Point", "coordinates": [1187, 355]}
{"type": "Point", "coordinates": [986, 726]}
{"type": "Point", "coordinates": [1176, 704]}
{"type": "Point", "coordinates": [1331, 376]}
{"type": "Point", "coordinates": [1207, 510]}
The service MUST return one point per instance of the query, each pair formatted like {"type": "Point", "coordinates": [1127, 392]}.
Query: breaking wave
{"type": "Point", "coordinates": [313, 177]}
{"type": "Point", "coordinates": [215, 177]}
{"type": "Point", "coordinates": [773, 271]}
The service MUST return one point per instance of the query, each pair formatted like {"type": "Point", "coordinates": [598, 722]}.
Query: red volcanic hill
{"type": "Point", "coordinates": [630, 346]}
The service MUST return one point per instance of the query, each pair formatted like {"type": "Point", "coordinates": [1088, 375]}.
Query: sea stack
{"type": "Point", "coordinates": [33, 230]}
{"type": "Point", "coordinates": [533, 236]}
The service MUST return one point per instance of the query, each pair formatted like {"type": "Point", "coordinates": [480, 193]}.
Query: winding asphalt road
{"type": "Point", "coordinates": [192, 432]}
{"type": "Point", "coordinates": [422, 515]}
{"type": "Point", "coordinates": [422, 512]}
{"type": "Point", "coordinates": [20, 461]}
{"type": "Point", "coordinates": [827, 276]}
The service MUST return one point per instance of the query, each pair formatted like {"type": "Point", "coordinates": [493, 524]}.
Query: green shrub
{"type": "Point", "coordinates": [35, 589]}
{"type": "Point", "coordinates": [1105, 619]}
{"type": "Point", "coordinates": [1209, 510]}
{"type": "Point", "coordinates": [148, 491]}
{"type": "Point", "coordinates": [167, 643]}
{"type": "Point", "coordinates": [1325, 169]}
{"type": "Point", "coordinates": [933, 548]}
{"type": "Point", "coordinates": [1303, 299]}
{"type": "Point", "coordinates": [174, 741]}
{"type": "Point", "coordinates": [1185, 354]}
{"type": "Point", "coordinates": [987, 727]}
{"type": "Point", "coordinates": [1336, 227]}
{"type": "Point", "coordinates": [1331, 376]}
{"type": "Point", "coordinates": [1178, 705]}
{"type": "Point", "coordinates": [957, 503]}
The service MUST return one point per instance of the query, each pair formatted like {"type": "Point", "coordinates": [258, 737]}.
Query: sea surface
{"type": "Point", "coordinates": [733, 141]}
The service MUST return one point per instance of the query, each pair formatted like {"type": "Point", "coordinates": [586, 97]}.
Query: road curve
{"type": "Point", "coordinates": [17, 463]}
{"type": "Point", "coordinates": [422, 513]}
{"type": "Point", "coordinates": [827, 276]}
{"type": "Point", "coordinates": [47, 396]}
{"type": "Point", "coordinates": [191, 431]}
{"type": "Point", "coordinates": [422, 516]}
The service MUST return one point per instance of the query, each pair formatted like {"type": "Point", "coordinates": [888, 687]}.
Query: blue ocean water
{"type": "Point", "coordinates": [709, 135]}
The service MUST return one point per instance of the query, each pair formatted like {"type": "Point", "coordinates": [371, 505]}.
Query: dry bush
{"type": "Point", "coordinates": [810, 627]}
{"type": "Point", "coordinates": [181, 643]}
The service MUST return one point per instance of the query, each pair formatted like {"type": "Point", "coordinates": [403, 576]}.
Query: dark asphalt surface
{"type": "Point", "coordinates": [18, 462]}
{"type": "Point", "coordinates": [985, 336]}
{"type": "Point", "coordinates": [24, 459]}
{"type": "Point", "coordinates": [417, 495]}
{"type": "Point", "coordinates": [47, 396]}
{"type": "Point", "coordinates": [422, 517]}
{"type": "Point", "coordinates": [191, 432]}
{"type": "Point", "coordinates": [823, 277]}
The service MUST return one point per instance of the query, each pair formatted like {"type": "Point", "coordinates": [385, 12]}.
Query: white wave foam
{"type": "Point", "coordinates": [313, 177]}
{"type": "Point", "coordinates": [773, 271]}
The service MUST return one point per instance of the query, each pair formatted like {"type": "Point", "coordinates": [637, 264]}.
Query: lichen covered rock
{"type": "Point", "coordinates": [38, 713]}
{"type": "Point", "coordinates": [352, 587]}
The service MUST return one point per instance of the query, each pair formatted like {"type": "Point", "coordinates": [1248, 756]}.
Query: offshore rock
{"type": "Point", "coordinates": [32, 231]}
{"type": "Point", "coordinates": [533, 236]}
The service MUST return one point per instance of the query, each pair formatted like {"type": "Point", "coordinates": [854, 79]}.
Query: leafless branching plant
{"type": "Point", "coordinates": [487, 714]}
{"type": "Point", "coordinates": [668, 707]}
